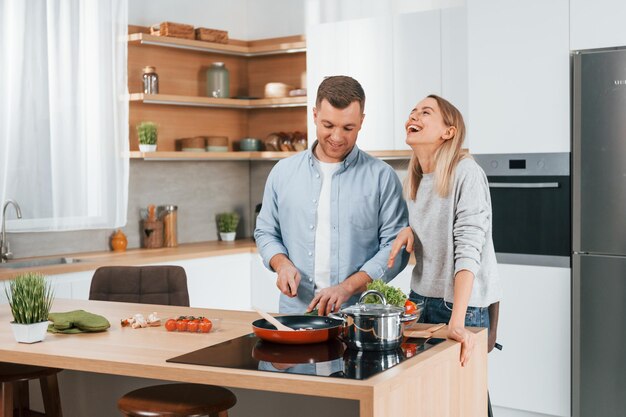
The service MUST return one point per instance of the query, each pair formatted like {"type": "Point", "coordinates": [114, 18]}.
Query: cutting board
{"type": "Point", "coordinates": [422, 329]}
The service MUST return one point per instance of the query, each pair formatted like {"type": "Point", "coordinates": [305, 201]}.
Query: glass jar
{"type": "Point", "coordinates": [169, 216]}
{"type": "Point", "coordinates": [150, 81]}
{"type": "Point", "coordinates": [217, 81]}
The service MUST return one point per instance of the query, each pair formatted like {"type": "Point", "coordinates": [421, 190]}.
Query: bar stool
{"type": "Point", "coordinates": [177, 400]}
{"type": "Point", "coordinates": [14, 379]}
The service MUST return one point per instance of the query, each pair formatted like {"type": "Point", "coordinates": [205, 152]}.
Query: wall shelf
{"type": "Point", "coordinates": [244, 156]}
{"type": "Point", "coordinates": [229, 103]}
{"type": "Point", "coordinates": [240, 48]}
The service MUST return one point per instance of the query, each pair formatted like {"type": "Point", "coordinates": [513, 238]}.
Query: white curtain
{"type": "Point", "coordinates": [64, 113]}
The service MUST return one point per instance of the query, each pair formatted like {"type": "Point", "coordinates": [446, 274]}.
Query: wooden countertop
{"type": "Point", "coordinates": [431, 384]}
{"type": "Point", "coordinates": [92, 260]}
{"type": "Point", "coordinates": [89, 261]}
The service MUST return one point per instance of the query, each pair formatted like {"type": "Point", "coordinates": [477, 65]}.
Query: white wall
{"type": "Point", "coordinates": [243, 19]}
{"type": "Point", "coordinates": [597, 24]}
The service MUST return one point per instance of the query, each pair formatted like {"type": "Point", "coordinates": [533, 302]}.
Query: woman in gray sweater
{"type": "Point", "coordinates": [455, 278]}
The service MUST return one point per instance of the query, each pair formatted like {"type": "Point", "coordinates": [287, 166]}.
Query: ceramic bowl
{"type": "Point", "coordinates": [250, 144]}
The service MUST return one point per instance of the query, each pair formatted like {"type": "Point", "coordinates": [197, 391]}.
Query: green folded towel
{"type": "Point", "coordinates": [77, 321]}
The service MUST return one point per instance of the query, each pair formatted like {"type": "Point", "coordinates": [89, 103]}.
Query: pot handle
{"type": "Point", "coordinates": [373, 292]}
{"type": "Point", "coordinates": [337, 317]}
{"type": "Point", "coordinates": [409, 317]}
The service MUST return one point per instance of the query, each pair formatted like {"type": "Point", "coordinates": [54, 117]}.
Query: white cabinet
{"type": "Point", "coordinates": [597, 24]}
{"type": "Point", "coordinates": [416, 67]}
{"type": "Point", "coordinates": [221, 282]}
{"type": "Point", "coordinates": [403, 279]}
{"type": "Point", "coordinates": [532, 372]}
{"type": "Point", "coordinates": [518, 70]}
{"type": "Point", "coordinates": [74, 285]}
{"type": "Point", "coordinates": [361, 49]}
{"type": "Point", "coordinates": [265, 293]}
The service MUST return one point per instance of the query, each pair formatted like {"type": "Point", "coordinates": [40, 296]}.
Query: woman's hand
{"type": "Point", "coordinates": [467, 339]}
{"type": "Point", "coordinates": [404, 238]}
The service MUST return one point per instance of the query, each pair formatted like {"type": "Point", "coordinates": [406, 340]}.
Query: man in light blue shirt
{"type": "Point", "coordinates": [331, 213]}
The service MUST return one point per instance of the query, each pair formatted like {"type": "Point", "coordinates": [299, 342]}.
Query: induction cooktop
{"type": "Point", "coordinates": [328, 359]}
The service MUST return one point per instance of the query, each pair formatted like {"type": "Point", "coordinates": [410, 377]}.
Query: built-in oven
{"type": "Point", "coordinates": [530, 198]}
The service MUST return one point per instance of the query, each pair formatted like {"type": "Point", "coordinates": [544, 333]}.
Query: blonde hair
{"type": "Point", "coordinates": [447, 155]}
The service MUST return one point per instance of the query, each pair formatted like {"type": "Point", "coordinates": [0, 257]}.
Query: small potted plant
{"type": "Point", "coordinates": [227, 225]}
{"type": "Point", "coordinates": [147, 133]}
{"type": "Point", "coordinates": [30, 298]}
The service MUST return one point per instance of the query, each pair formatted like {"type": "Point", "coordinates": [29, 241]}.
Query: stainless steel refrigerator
{"type": "Point", "coordinates": [599, 233]}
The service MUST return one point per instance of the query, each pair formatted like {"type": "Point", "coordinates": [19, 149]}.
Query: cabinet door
{"type": "Point", "coordinates": [265, 293]}
{"type": "Point", "coordinates": [221, 282]}
{"type": "Point", "coordinates": [597, 24]}
{"type": "Point", "coordinates": [518, 69]}
{"type": "Point", "coordinates": [361, 49]}
{"type": "Point", "coordinates": [454, 53]}
{"type": "Point", "coordinates": [74, 285]}
{"type": "Point", "coordinates": [416, 66]}
{"type": "Point", "coordinates": [532, 372]}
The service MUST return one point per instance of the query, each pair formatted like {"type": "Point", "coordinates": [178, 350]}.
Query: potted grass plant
{"type": "Point", "coordinates": [30, 298]}
{"type": "Point", "coordinates": [147, 134]}
{"type": "Point", "coordinates": [227, 225]}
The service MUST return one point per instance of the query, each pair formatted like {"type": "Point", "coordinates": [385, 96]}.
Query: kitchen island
{"type": "Point", "coordinates": [431, 384]}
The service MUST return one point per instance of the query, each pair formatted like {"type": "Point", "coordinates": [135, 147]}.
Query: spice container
{"type": "Point", "coordinates": [152, 230]}
{"type": "Point", "coordinates": [169, 216]}
{"type": "Point", "coordinates": [150, 81]}
{"type": "Point", "coordinates": [217, 81]}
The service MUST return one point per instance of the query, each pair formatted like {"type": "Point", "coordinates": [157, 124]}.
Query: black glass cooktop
{"type": "Point", "coordinates": [330, 359]}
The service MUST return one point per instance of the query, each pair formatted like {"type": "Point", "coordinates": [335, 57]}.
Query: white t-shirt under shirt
{"type": "Point", "coordinates": [322, 231]}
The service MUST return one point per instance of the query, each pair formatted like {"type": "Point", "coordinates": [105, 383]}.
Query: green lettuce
{"type": "Point", "coordinates": [394, 295]}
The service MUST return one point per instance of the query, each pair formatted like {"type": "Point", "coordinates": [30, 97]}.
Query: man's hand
{"type": "Point", "coordinates": [329, 300]}
{"type": "Point", "coordinates": [467, 339]}
{"type": "Point", "coordinates": [288, 275]}
{"type": "Point", "coordinates": [404, 238]}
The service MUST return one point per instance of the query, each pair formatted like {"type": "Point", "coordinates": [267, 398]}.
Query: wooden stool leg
{"type": "Point", "coordinates": [22, 398]}
{"type": "Point", "coordinates": [6, 406]}
{"type": "Point", "coordinates": [51, 397]}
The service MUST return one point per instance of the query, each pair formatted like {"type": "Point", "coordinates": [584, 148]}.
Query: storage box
{"type": "Point", "coordinates": [212, 35]}
{"type": "Point", "coordinates": [174, 30]}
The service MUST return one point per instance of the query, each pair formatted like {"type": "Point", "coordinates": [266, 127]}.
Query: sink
{"type": "Point", "coordinates": [33, 263]}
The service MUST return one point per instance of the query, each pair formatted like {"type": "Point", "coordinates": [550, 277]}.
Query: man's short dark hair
{"type": "Point", "coordinates": [340, 91]}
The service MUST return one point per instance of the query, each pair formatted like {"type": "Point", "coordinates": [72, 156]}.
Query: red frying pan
{"type": "Point", "coordinates": [316, 329]}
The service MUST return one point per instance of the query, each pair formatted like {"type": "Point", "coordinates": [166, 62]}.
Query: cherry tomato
{"type": "Point", "coordinates": [192, 326]}
{"type": "Point", "coordinates": [170, 325]}
{"type": "Point", "coordinates": [410, 307]}
{"type": "Point", "coordinates": [205, 326]}
{"type": "Point", "coordinates": [181, 325]}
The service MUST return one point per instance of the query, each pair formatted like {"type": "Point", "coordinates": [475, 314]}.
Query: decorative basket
{"type": "Point", "coordinates": [212, 35]}
{"type": "Point", "coordinates": [174, 30]}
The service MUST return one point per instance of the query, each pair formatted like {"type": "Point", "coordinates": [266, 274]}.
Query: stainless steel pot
{"type": "Point", "coordinates": [373, 326]}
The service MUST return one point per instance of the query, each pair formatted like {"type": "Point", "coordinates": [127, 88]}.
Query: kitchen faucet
{"type": "Point", "coordinates": [5, 250]}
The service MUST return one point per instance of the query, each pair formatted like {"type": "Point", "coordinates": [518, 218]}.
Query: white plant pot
{"type": "Point", "coordinates": [147, 148]}
{"type": "Point", "coordinates": [228, 236]}
{"type": "Point", "coordinates": [30, 333]}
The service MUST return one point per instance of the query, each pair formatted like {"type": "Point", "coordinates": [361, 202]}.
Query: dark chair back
{"type": "Point", "coordinates": [162, 284]}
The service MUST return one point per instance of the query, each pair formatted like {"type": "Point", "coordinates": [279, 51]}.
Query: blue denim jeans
{"type": "Point", "coordinates": [436, 310]}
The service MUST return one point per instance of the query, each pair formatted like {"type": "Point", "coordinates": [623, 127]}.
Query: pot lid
{"type": "Point", "coordinates": [373, 310]}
